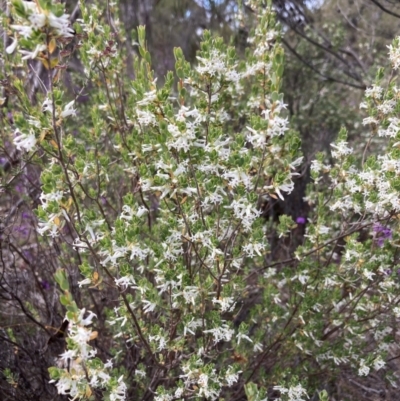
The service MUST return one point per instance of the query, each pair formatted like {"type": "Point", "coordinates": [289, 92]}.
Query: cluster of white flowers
{"type": "Point", "coordinates": [363, 369]}
{"type": "Point", "coordinates": [374, 91]}
{"type": "Point", "coordinates": [38, 19]}
{"type": "Point", "coordinates": [221, 333]}
{"type": "Point", "coordinates": [341, 149]}
{"type": "Point", "coordinates": [25, 142]}
{"type": "Point", "coordinates": [81, 376]}
{"type": "Point", "coordinates": [214, 65]}
{"type": "Point", "coordinates": [245, 212]}
{"type": "Point", "coordinates": [50, 226]}
{"type": "Point", "coordinates": [227, 304]}
{"type": "Point", "coordinates": [191, 216]}
{"type": "Point", "coordinates": [203, 381]}
{"type": "Point", "coordinates": [394, 54]}
{"type": "Point", "coordinates": [292, 393]}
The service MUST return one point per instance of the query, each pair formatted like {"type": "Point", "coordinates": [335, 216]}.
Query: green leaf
{"type": "Point", "coordinates": [251, 391]}
{"type": "Point", "coordinates": [19, 8]}
{"type": "Point", "coordinates": [61, 279]}
{"type": "Point", "coordinates": [65, 300]}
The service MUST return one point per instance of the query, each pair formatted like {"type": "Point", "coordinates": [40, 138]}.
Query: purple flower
{"type": "Point", "coordinates": [301, 220]}
{"type": "Point", "coordinates": [19, 188]}
{"type": "Point", "coordinates": [387, 233]}
{"type": "Point", "coordinates": [381, 233]}
{"type": "Point", "coordinates": [45, 284]}
{"type": "Point", "coordinates": [23, 230]}
{"type": "Point", "coordinates": [27, 255]}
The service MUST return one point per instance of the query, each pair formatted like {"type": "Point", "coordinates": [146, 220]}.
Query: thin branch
{"type": "Point", "coordinates": [326, 77]}
{"type": "Point", "coordinates": [379, 5]}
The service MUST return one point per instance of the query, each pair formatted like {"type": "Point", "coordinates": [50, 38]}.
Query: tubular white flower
{"type": "Point", "coordinates": [61, 25]}
{"type": "Point", "coordinates": [11, 48]}
{"type": "Point", "coordinates": [25, 142]}
{"type": "Point", "coordinates": [68, 110]}
{"type": "Point", "coordinates": [32, 55]}
{"type": "Point", "coordinates": [25, 31]}
{"type": "Point", "coordinates": [394, 55]}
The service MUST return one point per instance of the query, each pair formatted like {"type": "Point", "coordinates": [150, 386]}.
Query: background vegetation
{"type": "Point", "coordinates": [287, 295]}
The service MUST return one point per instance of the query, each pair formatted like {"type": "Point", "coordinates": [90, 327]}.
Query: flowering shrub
{"type": "Point", "coordinates": [151, 194]}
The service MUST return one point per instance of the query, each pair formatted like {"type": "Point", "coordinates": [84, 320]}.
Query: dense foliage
{"type": "Point", "coordinates": [144, 254]}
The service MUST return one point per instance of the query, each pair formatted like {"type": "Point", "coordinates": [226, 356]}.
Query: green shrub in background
{"type": "Point", "coordinates": [152, 196]}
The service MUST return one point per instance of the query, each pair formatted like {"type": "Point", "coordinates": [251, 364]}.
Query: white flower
{"type": "Point", "coordinates": [141, 211]}
{"type": "Point", "coordinates": [227, 304]}
{"type": "Point", "coordinates": [252, 249]}
{"type": "Point", "coordinates": [181, 140]}
{"type": "Point", "coordinates": [25, 31]}
{"type": "Point", "coordinates": [70, 354]}
{"type": "Point", "coordinates": [68, 110]}
{"type": "Point", "coordinates": [387, 106]}
{"type": "Point", "coordinates": [140, 373]}
{"type": "Point", "coordinates": [162, 342]}
{"type": "Point", "coordinates": [125, 281]}
{"type": "Point", "coordinates": [244, 336]}
{"type": "Point", "coordinates": [149, 306]}
{"type": "Point", "coordinates": [257, 347]}
{"type": "Point", "coordinates": [118, 393]}
{"type": "Point", "coordinates": [363, 370]}
{"type": "Point", "coordinates": [375, 92]}
{"type": "Point", "coordinates": [277, 125]}
{"type": "Point", "coordinates": [50, 197]}
{"type": "Point", "coordinates": [368, 274]}
{"type": "Point", "coordinates": [286, 187]}
{"type": "Point", "coordinates": [323, 230]}
{"type": "Point", "coordinates": [148, 97]}
{"type": "Point", "coordinates": [25, 142]}
{"type": "Point", "coordinates": [316, 166]}
{"type": "Point", "coordinates": [394, 56]}
{"type": "Point", "coordinates": [392, 129]}
{"type": "Point", "coordinates": [10, 49]}
{"type": "Point", "coordinates": [236, 177]}
{"type": "Point", "coordinates": [296, 163]}
{"type": "Point", "coordinates": [32, 55]}
{"type": "Point", "coordinates": [231, 378]}
{"type": "Point", "coordinates": [203, 380]}
{"type": "Point", "coordinates": [30, 7]}
{"type": "Point", "coordinates": [341, 149]}
{"type": "Point", "coordinates": [88, 320]}
{"type": "Point", "coordinates": [61, 25]}
{"type": "Point", "coordinates": [86, 281]}
{"type": "Point", "coordinates": [64, 385]}
{"type": "Point", "coordinates": [47, 105]}
{"type": "Point", "coordinates": [294, 393]}
{"type": "Point", "coordinates": [145, 118]}
{"type": "Point", "coordinates": [37, 20]}
{"type": "Point", "coordinates": [214, 65]}
{"type": "Point", "coordinates": [192, 326]}
{"type": "Point", "coordinates": [190, 293]}
{"type": "Point", "coordinates": [257, 139]}
{"type": "Point", "coordinates": [221, 333]}
{"type": "Point", "coordinates": [245, 212]}
{"type": "Point", "coordinates": [43, 227]}
{"type": "Point", "coordinates": [81, 336]}
{"type": "Point", "coordinates": [379, 363]}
